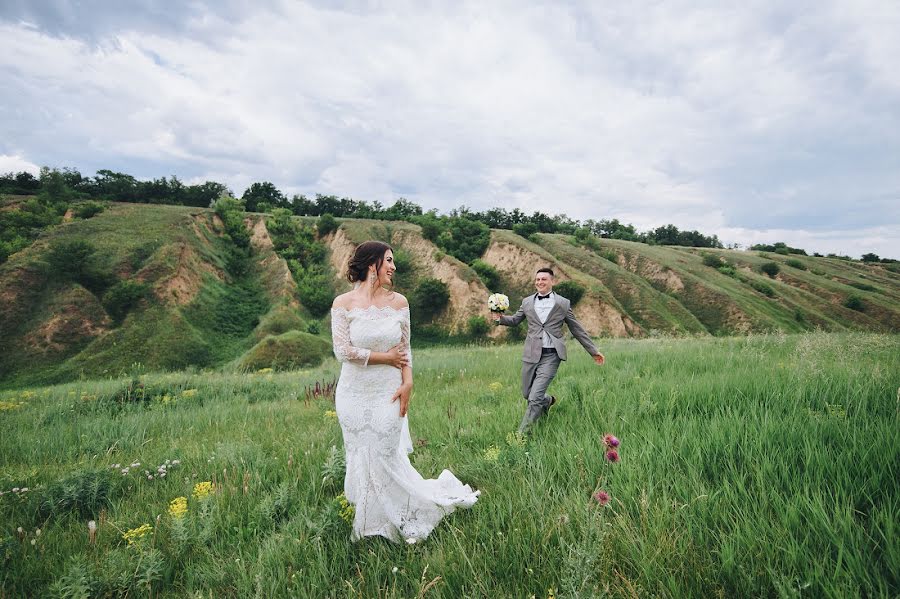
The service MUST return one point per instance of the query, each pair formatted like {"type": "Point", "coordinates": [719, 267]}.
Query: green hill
{"type": "Point", "coordinates": [170, 287]}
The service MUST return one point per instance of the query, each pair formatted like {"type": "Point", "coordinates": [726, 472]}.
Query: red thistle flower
{"type": "Point", "coordinates": [601, 497]}
{"type": "Point", "coordinates": [612, 455]}
{"type": "Point", "coordinates": [610, 440]}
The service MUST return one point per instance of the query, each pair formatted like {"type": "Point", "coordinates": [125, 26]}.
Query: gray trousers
{"type": "Point", "coordinates": [536, 378]}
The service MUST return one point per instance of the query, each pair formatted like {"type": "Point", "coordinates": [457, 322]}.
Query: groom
{"type": "Point", "coordinates": [545, 312]}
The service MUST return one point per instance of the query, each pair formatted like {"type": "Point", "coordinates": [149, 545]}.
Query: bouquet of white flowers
{"type": "Point", "coordinates": [498, 302]}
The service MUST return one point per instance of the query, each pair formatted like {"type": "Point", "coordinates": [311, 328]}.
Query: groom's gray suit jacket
{"type": "Point", "coordinates": [561, 313]}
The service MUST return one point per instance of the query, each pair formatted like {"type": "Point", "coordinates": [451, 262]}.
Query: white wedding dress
{"type": "Point", "coordinates": [391, 498]}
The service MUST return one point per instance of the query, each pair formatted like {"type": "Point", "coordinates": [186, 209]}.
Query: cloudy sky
{"type": "Point", "coordinates": [759, 122]}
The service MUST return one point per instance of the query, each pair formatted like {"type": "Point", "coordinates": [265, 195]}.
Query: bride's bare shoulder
{"type": "Point", "coordinates": [344, 300]}
{"type": "Point", "coordinates": [398, 301]}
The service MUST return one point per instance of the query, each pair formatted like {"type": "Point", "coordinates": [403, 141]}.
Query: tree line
{"type": "Point", "coordinates": [265, 197]}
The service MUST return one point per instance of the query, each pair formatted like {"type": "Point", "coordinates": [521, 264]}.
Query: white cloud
{"type": "Point", "coordinates": [17, 164]}
{"type": "Point", "coordinates": [759, 118]}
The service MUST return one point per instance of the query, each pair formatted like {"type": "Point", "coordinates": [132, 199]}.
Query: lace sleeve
{"type": "Point", "coordinates": [340, 335]}
{"type": "Point", "coordinates": [405, 335]}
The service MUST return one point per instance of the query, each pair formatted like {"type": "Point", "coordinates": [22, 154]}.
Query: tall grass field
{"type": "Point", "coordinates": [764, 466]}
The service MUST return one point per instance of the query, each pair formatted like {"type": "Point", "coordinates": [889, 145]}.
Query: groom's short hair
{"type": "Point", "coordinates": [549, 271]}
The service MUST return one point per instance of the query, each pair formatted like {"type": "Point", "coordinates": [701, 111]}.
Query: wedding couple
{"type": "Point", "coordinates": [371, 334]}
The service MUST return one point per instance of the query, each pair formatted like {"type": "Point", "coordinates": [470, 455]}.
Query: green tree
{"type": "Point", "coordinates": [487, 273]}
{"type": "Point", "coordinates": [326, 224]}
{"type": "Point", "coordinates": [571, 290]}
{"type": "Point", "coordinates": [429, 299]}
{"type": "Point", "coordinates": [771, 269]}
{"type": "Point", "coordinates": [263, 193]}
{"type": "Point", "coordinates": [870, 257]}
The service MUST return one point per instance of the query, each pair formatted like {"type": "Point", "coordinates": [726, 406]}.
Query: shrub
{"type": "Point", "coordinates": [863, 286]}
{"type": "Point", "coordinates": [316, 293]}
{"type": "Point", "coordinates": [314, 327]}
{"type": "Point", "coordinates": [277, 322]}
{"type": "Point", "coordinates": [854, 302]}
{"type": "Point", "coordinates": [123, 296]}
{"type": "Point", "coordinates": [610, 255]}
{"type": "Point", "coordinates": [770, 268]}
{"type": "Point", "coordinates": [526, 230]}
{"type": "Point", "coordinates": [464, 239]}
{"type": "Point", "coordinates": [763, 288]}
{"type": "Point", "coordinates": [712, 261]}
{"type": "Point", "coordinates": [487, 273]}
{"type": "Point", "coordinates": [326, 224]}
{"type": "Point", "coordinates": [477, 327]}
{"type": "Point", "coordinates": [88, 209]}
{"type": "Point", "coordinates": [429, 299]}
{"type": "Point", "coordinates": [405, 274]}
{"type": "Point", "coordinates": [571, 290]}
{"type": "Point", "coordinates": [293, 349]}
{"type": "Point", "coordinates": [728, 270]}
{"type": "Point", "coordinates": [794, 263]}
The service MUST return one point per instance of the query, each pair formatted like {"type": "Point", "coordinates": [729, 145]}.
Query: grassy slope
{"type": "Point", "coordinates": [131, 239]}
{"type": "Point", "coordinates": [721, 304]}
{"type": "Point", "coordinates": [750, 467]}
{"type": "Point", "coordinates": [211, 332]}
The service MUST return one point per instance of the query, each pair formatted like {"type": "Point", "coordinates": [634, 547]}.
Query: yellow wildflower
{"type": "Point", "coordinates": [10, 405]}
{"type": "Point", "coordinates": [135, 535]}
{"type": "Point", "coordinates": [178, 507]}
{"type": "Point", "coordinates": [264, 371]}
{"type": "Point", "coordinates": [27, 394]}
{"type": "Point", "coordinates": [347, 511]}
{"type": "Point", "coordinates": [496, 387]}
{"type": "Point", "coordinates": [492, 453]}
{"type": "Point", "coordinates": [188, 393]}
{"type": "Point", "coordinates": [202, 490]}
{"type": "Point", "coordinates": [515, 440]}
{"type": "Point", "coordinates": [329, 415]}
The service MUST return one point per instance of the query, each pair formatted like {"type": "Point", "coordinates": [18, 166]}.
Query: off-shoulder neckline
{"type": "Point", "coordinates": [372, 307]}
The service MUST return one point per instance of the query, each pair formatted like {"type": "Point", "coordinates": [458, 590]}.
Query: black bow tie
{"type": "Point", "coordinates": [543, 297]}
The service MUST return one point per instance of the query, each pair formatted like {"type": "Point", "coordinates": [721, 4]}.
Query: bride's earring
{"type": "Point", "coordinates": [373, 279]}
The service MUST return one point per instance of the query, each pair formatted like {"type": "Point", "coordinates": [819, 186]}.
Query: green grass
{"type": "Point", "coordinates": [755, 466]}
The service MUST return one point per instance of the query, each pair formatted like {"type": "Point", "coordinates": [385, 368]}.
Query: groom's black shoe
{"type": "Point", "coordinates": [552, 401]}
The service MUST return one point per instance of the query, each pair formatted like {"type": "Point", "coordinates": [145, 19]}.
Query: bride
{"type": "Point", "coordinates": [370, 329]}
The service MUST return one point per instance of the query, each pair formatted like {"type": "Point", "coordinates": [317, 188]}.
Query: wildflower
{"type": "Point", "coordinates": [188, 393]}
{"type": "Point", "coordinates": [496, 387]}
{"type": "Point", "coordinates": [515, 439]}
{"type": "Point", "coordinates": [610, 440]}
{"type": "Point", "coordinates": [92, 531]}
{"type": "Point", "coordinates": [33, 542]}
{"type": "Point", "coordinates": [612, 455]}
{"type": "Point", "coordinates": [37, 532]}
{"type": "Point", "coordinates": [178, 507]}
{"type": "Point", "coordinates": [411, 541]}
{"type": "Point", "coordinates": [202, 490]}
{"type": "Point", "coordinates": [20, 530]}
{"type": "Point", "coordinates": [135, 535]}
{"type": "Point", "coordinates": [149, 477]}
{"type": "Point", "coordinates": [551, 593]}
{"type": "Point", "coordinates": [124, 471]}
{"type": "Point", "coordinates": [264, 371]}
{"type": "Point", "coordinates": [330, 415]}
{"type": "Point", "coordinates": [347, 511]}
{"type": "Point", "coordinates": [135, 465]}
{"type": "Point", "coordinates": [394, 570]}
{"type": "Point", "coordinates": [176, 462]}
{"type": "Point", "coordinates": [602, 497]}
{"type": "Point", "coordinates": [15, 489]}
{"type": "Point", "coordinates": [492, 453]}
{"type": "Point", "coordinates": [24, 490]}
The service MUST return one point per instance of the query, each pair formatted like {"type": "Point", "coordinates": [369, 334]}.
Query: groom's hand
{"type": "Point", "coordinates": [402, 394]}
{"type": "Point", "coordinates": [599, 359]}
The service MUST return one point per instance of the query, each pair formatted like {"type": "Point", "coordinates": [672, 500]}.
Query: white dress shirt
{"type": "Point", "coordinates": [543, 308]}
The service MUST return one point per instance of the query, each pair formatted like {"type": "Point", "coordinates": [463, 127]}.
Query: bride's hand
{"type": "Point", "coordinates": [402, 394]}
{"type": "Point", "coordinates": [396, 357]}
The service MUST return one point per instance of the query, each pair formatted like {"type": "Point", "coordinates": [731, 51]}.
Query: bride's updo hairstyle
{"type": "Point", "coordinates": [366, 254]}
